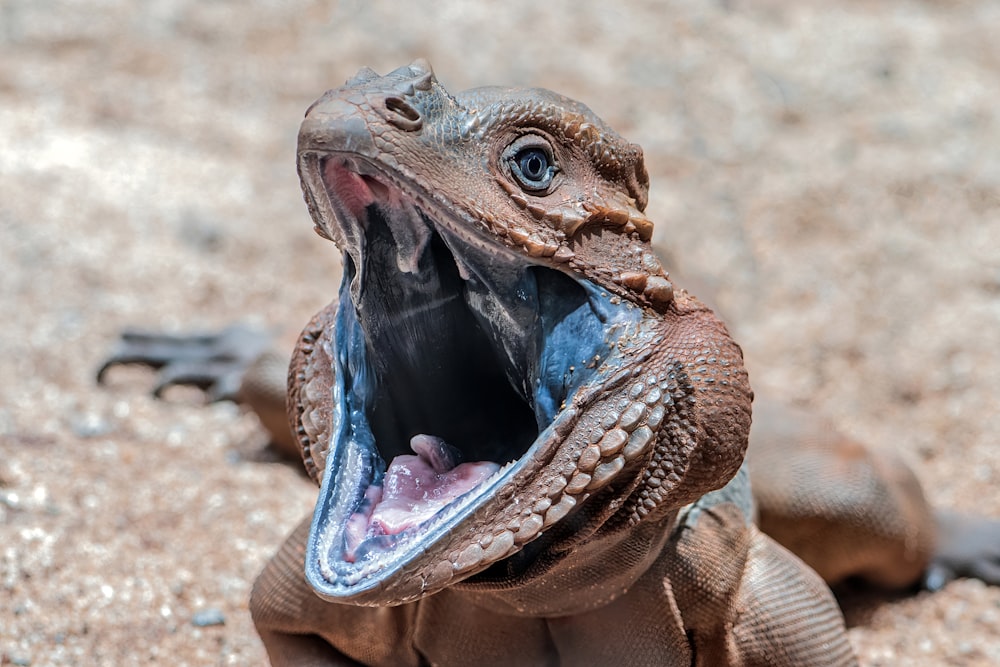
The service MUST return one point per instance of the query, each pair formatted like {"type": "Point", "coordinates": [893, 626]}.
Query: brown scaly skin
{"type": "Point", "coordinates": [699, 585]}
{"type": "Point", "coordinates": [608, 544]}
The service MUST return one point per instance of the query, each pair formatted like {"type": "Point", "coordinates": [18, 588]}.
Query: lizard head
{"type": "Point", "coordinates": [491, 364]}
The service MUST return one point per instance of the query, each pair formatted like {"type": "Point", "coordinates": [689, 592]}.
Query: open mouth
{"type": "Point", "coordinates": [453, 357]}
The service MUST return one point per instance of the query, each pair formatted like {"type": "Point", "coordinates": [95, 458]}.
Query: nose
{"type": "Point", "coordinates": [340, 114]}
{"type": "Point", "coordinates": [337, 123]}
{"type": "Point", "coordinates": [400, 106]}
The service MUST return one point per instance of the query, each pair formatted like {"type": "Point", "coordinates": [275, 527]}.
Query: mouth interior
{"type": "Point", "coordinates": [436, 365]}
{"type": "Point", "coordinates": [443, 413]}
{"type": "Point", "coordinates": [452, 358]}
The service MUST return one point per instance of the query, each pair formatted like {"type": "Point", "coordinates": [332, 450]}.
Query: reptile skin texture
{"type": "Point", "coordinates": [625, 534]}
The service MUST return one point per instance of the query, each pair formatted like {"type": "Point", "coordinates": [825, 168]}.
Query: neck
{"type": "Point", "coordinates": [568, 574]}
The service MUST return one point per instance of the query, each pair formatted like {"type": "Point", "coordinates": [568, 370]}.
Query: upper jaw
{"type": "Point", "coordinates": [325, 209]}
{"type": "Point", "coordinates": [341, 123]}
{"type": "Point", "coordinates": [335, 130]}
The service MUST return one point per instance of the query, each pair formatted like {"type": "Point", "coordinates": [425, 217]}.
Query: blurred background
{"type": "Point", "coordinates": [830, 170]}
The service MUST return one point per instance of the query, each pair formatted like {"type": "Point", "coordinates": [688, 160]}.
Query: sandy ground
{"type": "Point", "coordinates": [834, 170]}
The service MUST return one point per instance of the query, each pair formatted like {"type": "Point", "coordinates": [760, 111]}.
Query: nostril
{"type": "Point", "coordinates": [402, 114]}
{"type": "Point", "coordinates": [401, 107]}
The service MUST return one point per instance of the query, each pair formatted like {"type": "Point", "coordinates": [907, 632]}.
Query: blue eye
{"type": "Point", "coordinates": [533, 168]}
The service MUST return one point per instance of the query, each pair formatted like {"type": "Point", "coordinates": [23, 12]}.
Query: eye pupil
{"type": "Point", "coordinates": [533, 168]}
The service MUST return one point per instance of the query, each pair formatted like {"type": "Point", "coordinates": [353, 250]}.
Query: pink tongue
{"type": "Point", "coordinates": [414, 489]}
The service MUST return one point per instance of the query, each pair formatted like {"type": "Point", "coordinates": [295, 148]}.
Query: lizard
{"type": "Point", "coordinates": [530, 444]}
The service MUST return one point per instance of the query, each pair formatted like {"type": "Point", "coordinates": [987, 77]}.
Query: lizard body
{"type": "Point", "coordinates": [576, 491]}
{"type": "Point", "coordinates": [509, 224]}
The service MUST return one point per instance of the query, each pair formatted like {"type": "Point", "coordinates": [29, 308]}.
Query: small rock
{"type": "Point", "coordinates": [90, 425]}
{"type": "Point", "coordinates": [207, 617]}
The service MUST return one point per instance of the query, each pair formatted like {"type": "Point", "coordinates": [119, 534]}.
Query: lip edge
{"type": "Point", "coordinates": [444, 522]}
{"type": "Point", "coordinates": [520, 472]}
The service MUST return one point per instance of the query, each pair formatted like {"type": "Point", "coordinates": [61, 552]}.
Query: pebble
{"type": "Point", "coordinates": [204, 618]}
{"type": "Point", "coordinates": [90, 425]}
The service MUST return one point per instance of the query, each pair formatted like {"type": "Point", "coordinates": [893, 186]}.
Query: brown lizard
{"type": "Point", "coordinates": [530, 444]}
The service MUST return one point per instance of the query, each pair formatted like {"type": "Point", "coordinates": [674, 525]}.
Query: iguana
{"type": "Point", "coordinates": [529, 442]}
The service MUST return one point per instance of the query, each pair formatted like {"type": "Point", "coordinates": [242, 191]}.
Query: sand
{"type": "Point", "coordinates": [833, 171]}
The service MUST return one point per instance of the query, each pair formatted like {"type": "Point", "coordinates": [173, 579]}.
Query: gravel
{"type": "Point", "coordinates": [830, 168]}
